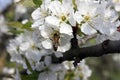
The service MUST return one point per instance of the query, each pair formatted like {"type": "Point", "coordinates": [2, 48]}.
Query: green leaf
{"type": "Point", "coordinates": [33, 76]}
{"type": "Point", "coordinates": [60, 1]}
{"type": "Point", "coordinates": [92, 41]}
{"type": "Point", "coordinates": [74, 4]}
{"type": "Point", "coordinates": [19, 25]}
{"type": "Point", "coordinates": [27, 26]}
{"type": "Point", "coordinates": [27, 3]}
{"type": "Point", "coordinates": [28, 64]}
{"type": "Point", "coordinates": [16, 31]}
{"type": "Point", "coordinates": [15, 24]}
{"type": "Point", "coordinates": [37, 2]}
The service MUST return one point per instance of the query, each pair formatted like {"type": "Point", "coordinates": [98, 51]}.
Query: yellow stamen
{"type": "Point", "coordinates": [63, 18]}
{"type": "Point", "coordinates": [87, 18]}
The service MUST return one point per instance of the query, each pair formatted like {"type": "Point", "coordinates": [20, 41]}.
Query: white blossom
{"type": "Point", "coordinates": [40, 14]}
{"type": "Point", "coordinates": [63, 36]}
{"type": "Point", "coordinates": [83, 70]}
{"type": "Point", "coordinates": [51, 71]}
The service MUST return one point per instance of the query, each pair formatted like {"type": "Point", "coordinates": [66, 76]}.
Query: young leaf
{"type": "Point", "coordinates": [33, 76]}
{"type": "Point", "coordinates": [37, 2]}
{"type": "Point", "coordinates": [27, 3]}
{"type": "Point", "coordinates": [27, 26]}
{"type": "Point", "coordinates": [16, 31]}
{"type": "Point", "coordinates": [19, 25]}
{"type": "Point", "coordinates": [15, 24]}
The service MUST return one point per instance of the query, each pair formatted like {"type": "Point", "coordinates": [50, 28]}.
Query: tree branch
{"type": "Point", "coordinates": [106, 47]}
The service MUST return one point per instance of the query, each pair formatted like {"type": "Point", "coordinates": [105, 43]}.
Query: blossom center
{"type": "Point", "coordinates": [32, 46]}
{"type": "Point", "coordinates": [87, 18]}
{"type": "Point", "coordinates": [63, 18]}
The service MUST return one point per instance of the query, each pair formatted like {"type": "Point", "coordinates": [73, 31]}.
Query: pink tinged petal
{"type": "Point", "coordinates": [36, 14]}
{"type": "Point", "coordinates": [47, 44]}
{"type": "Point", "coordinates": [66, 29]}
{"type": "Point", "coordinates": [87, 29]}
{"type": "Point", "coordinates": [52, 20]}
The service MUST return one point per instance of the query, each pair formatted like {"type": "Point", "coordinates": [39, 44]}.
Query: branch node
{"type": "Point", "coordinates": [76, 61]}
{"type": "Point", "coordinates": [105, 45]}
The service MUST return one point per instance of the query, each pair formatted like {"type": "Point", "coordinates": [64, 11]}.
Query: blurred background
{"type": "Point", "coordinates": [103, 68]}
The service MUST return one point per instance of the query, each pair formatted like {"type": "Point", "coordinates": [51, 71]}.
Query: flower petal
{"type": "Point", "coordinates": [37, 23]}
{"type": "Point", "coordinates": [55, 7]}
{"type": "Point", "coordinates": [52, 20]}
{"type": "Point", "coordinates": [64, 43]}
{"type": "Point", "coordinates": [36, 14]}
{"type": "Point", "coordinates": [64, 47]}
{"type": "Point", "coordinates": [87, 29]}
{"type": "Point", "coordinates": [45, 31]}
{"type": "Point", "coordinates": [72, 20]}
{"type": "Point", "coordinates": [47, 44]}
{"type": "Point", "coordinates": [78, 17]}
{"type": "Point", "coordinates": [65, 28]}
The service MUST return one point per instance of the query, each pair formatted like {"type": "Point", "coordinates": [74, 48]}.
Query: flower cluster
{"type": "Point", "coordinates": [56, 20]}
{"type": "Point", "coordinates": [55, 23]}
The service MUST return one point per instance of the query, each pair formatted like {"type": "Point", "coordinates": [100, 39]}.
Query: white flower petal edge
{"type": "Point", "coordinates": [65, 28]}
{"type": "Point", "coordinates": [55, 7]}
{"type": "Point", "coordinates": [36, 14]}
{"type": "Point", "coordinates": [64, 43]}
{"type": "Point", "coordinates": [47, 44]}
{"type": "Point", "coordinates": [87, 29]}
{"type": "Point", "coordinates": [52, 20]}
{"type": "Point", "coordinates": [45, 31]}
{"type": "Point", "coordinates": [64, 47]}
